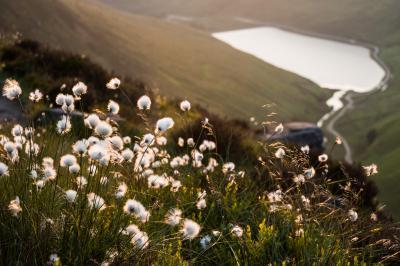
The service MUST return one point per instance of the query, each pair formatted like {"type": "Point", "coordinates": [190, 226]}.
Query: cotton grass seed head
{"type": "Point", "coordinates": [190, 229]}
{"type": "Point", "coordinates": [113, 84]}
{"type": "Point", "coordinates": [164, 124]}
{"type": "Point", "coordinates": [11, 89]}
{"type": "Point", "coordinates": [113, 107]}
{"type": "Point", "coordinates": [144, 103]}
{"type": "Point", "coordinates": [185, 105]}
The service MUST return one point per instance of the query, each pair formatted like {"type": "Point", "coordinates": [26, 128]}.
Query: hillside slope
{"type": "Point", "coordinates": [180, 61]}
{"type": "Point", "coordinates": [373, 127]}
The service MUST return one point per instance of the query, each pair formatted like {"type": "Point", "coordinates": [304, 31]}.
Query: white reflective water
{"type": "Point", "coordinates": [330, 64]}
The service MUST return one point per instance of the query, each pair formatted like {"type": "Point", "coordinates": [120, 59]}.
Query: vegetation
{"type": "Point", "coordinates": [362, 20]}
{"type": "Point", "coordinates": [176, 188]}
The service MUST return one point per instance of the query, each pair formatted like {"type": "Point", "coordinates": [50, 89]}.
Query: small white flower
{"type": "Point", "coordinates": [71, 195]}
{"type": "Point", "coordinates": [17, 130]}
{"type": "Point", "coordinates": [60, 99]}
{"type": "Point", "coordinates": [279, 129]}
{"type": "Point", "coordinates": [164, 124]}
{"type": "Point", "coordinates": [127, 154]}
{"type": "Point", "coordinates": [173, 217]}
{"type": "Point", "coordinates": [116, 143]}
{"type": "Point", "coordinates": [323, 158]}
{"type": "Point", "coordinates": [161, 141]}
{"type": "Point", "coordinates": [74, 169]}
{"type": "Point", "coordinates": [113, 84]}
{"type": "Point", "coordinates": [190, 229]}
{"type": "Point", "coordinates": [68, 160]}
{"type": "Point", "coordinates": [201, 204]}
{"type": "Point", "coordinates": [185, 105]}
{"type": "Point", "coordinates": [175, 185]}
{"type": "Point", "coordinates": [144, 103]}
{"type": "Point", "coordinates": [80, 147]}
{"type": "Point", "coordinates": [205, 241]}
{"type": "Point", "coordinates": [353, 215]}
{"type": "Point", "coordinates": [156, 181]}
{"type": "Point", "coordinates": [280, 153]}
{"type": "Point", "coordinates": [49, 173]}
{"type": "Point", "coordinates": [79, 89]}
{"type": "Point", "coordinates": [147, 140]}
{"type": "Point", "coordinates": [237, 231]}
{"type": "Point", "coordinates": [96, 202]}
{"type": "Point", "coordinates": [11, 89]}
{"type": "Point", "coordinates": [40, 184]}
{"type": "Point", "coordinates": [370, 169]}
{"type": "Point", "coordinates": [136, 208]}
{"type": "Point", "coordinates": [14, 207]}
{"type": "Point", "coordinates": [92, 120]}
{"type": "Point", "coordinates": [113, 107]}
{"type": "Point", "coordinates": [305, 149]}
{"type": "Point", "coordinates": [47, 162]}
{"type": "Point", "coordinates": [140, 240]}
{"type": "Point", "coordinates": [35, 96]}
{"type": "Point", "coordinates": [103, 129]}
{"type": "Point", "coordinates": [190, 142]}
{"type": "Point", "coordinates": [228, 167]}
{"type": "Point", "coordinates": [64, 125]}
{"type": "Point", "coordinates": [121, 191]}
{"type": "Point", "coordinates": [3, 169]}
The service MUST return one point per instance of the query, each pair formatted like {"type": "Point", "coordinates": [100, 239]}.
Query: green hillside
{"type": "Point", "coordinates": [175, 58]}
{"type": "Point", "coordinates": [373, 127]}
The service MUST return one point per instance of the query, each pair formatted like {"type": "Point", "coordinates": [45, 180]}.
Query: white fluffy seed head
{"type": "Point", "coordinates": [92, 120]}
{"type": "Point", "coordinates": [103, 129]}
{"type": "Point", "coordinates": [113, 107]}
{"type": "Point", "coordinates": [11, 89]}
{"type": "Point", "coordinates": [3, 169]}
{"type": "Point", "coordinates": [79, 89]}
{"type": "Point", "coordinates": [190, 229]}
{"type": "Point", "coordinates": [164, 124]}
{"type": "Point", "coordinates": [113, 84]}
{"type": "Point", "coordinates": [70, 195]}
{"type": "Point", "coordinates": [144, 103]}
{"type": "Point", "coordinates": [68, 160]}
{"type": "Point", "coordinates": [185, 105]}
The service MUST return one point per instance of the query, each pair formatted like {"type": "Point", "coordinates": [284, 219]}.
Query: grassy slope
{"type": "Point", "coordinates": [179, 60]}
{"type": "Point", "coordinates": [365, 20]}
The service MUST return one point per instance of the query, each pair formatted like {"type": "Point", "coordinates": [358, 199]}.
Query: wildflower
{"type": "Point", "coordinates": [137, 209]}
{"type": "Point", "coordinates": [323, 158]}
{"type": "Point", "coordinates": [338, 140]}
{"type": "Point", "coordinates": [113, 84]}
{"type": "Point", "coordinates": [161, 141]}
{"type": "Point", "coordinates": [144, 103]}
{"type": "Point", "coordinates": [299, 179]}
{"type": "Point", "coordinates": [81, 181]}
{"type": "Point", "coordinates": [121, 191]}
{"type": "Point", "coordinates": [205, 241]}
{"type": "Point", "coordinates": [3, 169]}
{"type": "Point", "coordinates": [228, 167]}
{"type": "Point", "coordinates": [181, 142]}
{"type": "Point", "coordinates": [14, 207]}
{"type": "Point", "coordinates": [275, 196]}
{"type": "Point", "coordinates": [185, 105]}
{"type": "Point", "coordinates": [80, 147]}
{"type": "Point", "coordinates": [113, 107]}
{"type": "Point", "coordinates": [237, 231]}
{"type": "Point", "coordinates": [156, 181]}
{"type": "Point", "coordinates": [305, 149]}
{"type": "Point", "coordinates": [11, 89]}
{"type": "Point", "coordinates": [164, 124]}
{"type": "Point", "coordinates": [92, 120]}
{"type": "Point", "coordinates": [49, 173]}
{"type": "Point", "coordinates": [70, 195]}
{"type": "Point", "coordinates": [17, 130]}
{"type": "Point", "coordinates": [279, 129]}
{"type": "Point", "coordinates": [140, 240]}
{"type": "Point", "coordinates": [103, 129]}
{"type": "Point", "coordinates": [190, 229]}
{"type": "Point", "coordinates": [96, 202]}
{"type": "Point", "coordinates": [280, 153]}
{"type": "Point", "coordinates": [63, 125]}
{"type": "Point", "coordinates": [371, 169]}
{"type": "Point", "coordinates": [40, 184]}
{"type": "Point", "coordinates": [35, 96]}
{"type": "Point", "coordinates": [68, 106]}
{"type": "Point", "coordinates": [353, 215]}
{"type": "Point", "coordinates": [67, 160]}
{"type": "Point", "coordinates": [201, 204]}
{"type": "Point", "coordinates": [60, 98]}
{"type": "Point", "coordinates": [79, 89]}
{"type": "Point", "coordinates": [74, 169]}
{"type": "Point", "coordinates": [127, 154]}
{"type": "Point", "coordinates": [147, 140]}
{"type": "Point", "coordinates": [173, 217]}
{"type": "Point", "coordinates": [175, 185]}
{"type": "Point", "coordinates": [190, 142]}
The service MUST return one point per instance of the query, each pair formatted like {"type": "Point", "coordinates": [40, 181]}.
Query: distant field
{"type": "Point", "coordinates": [180, 61]}
{"type": "Point", "coordinates": [373, 128]}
